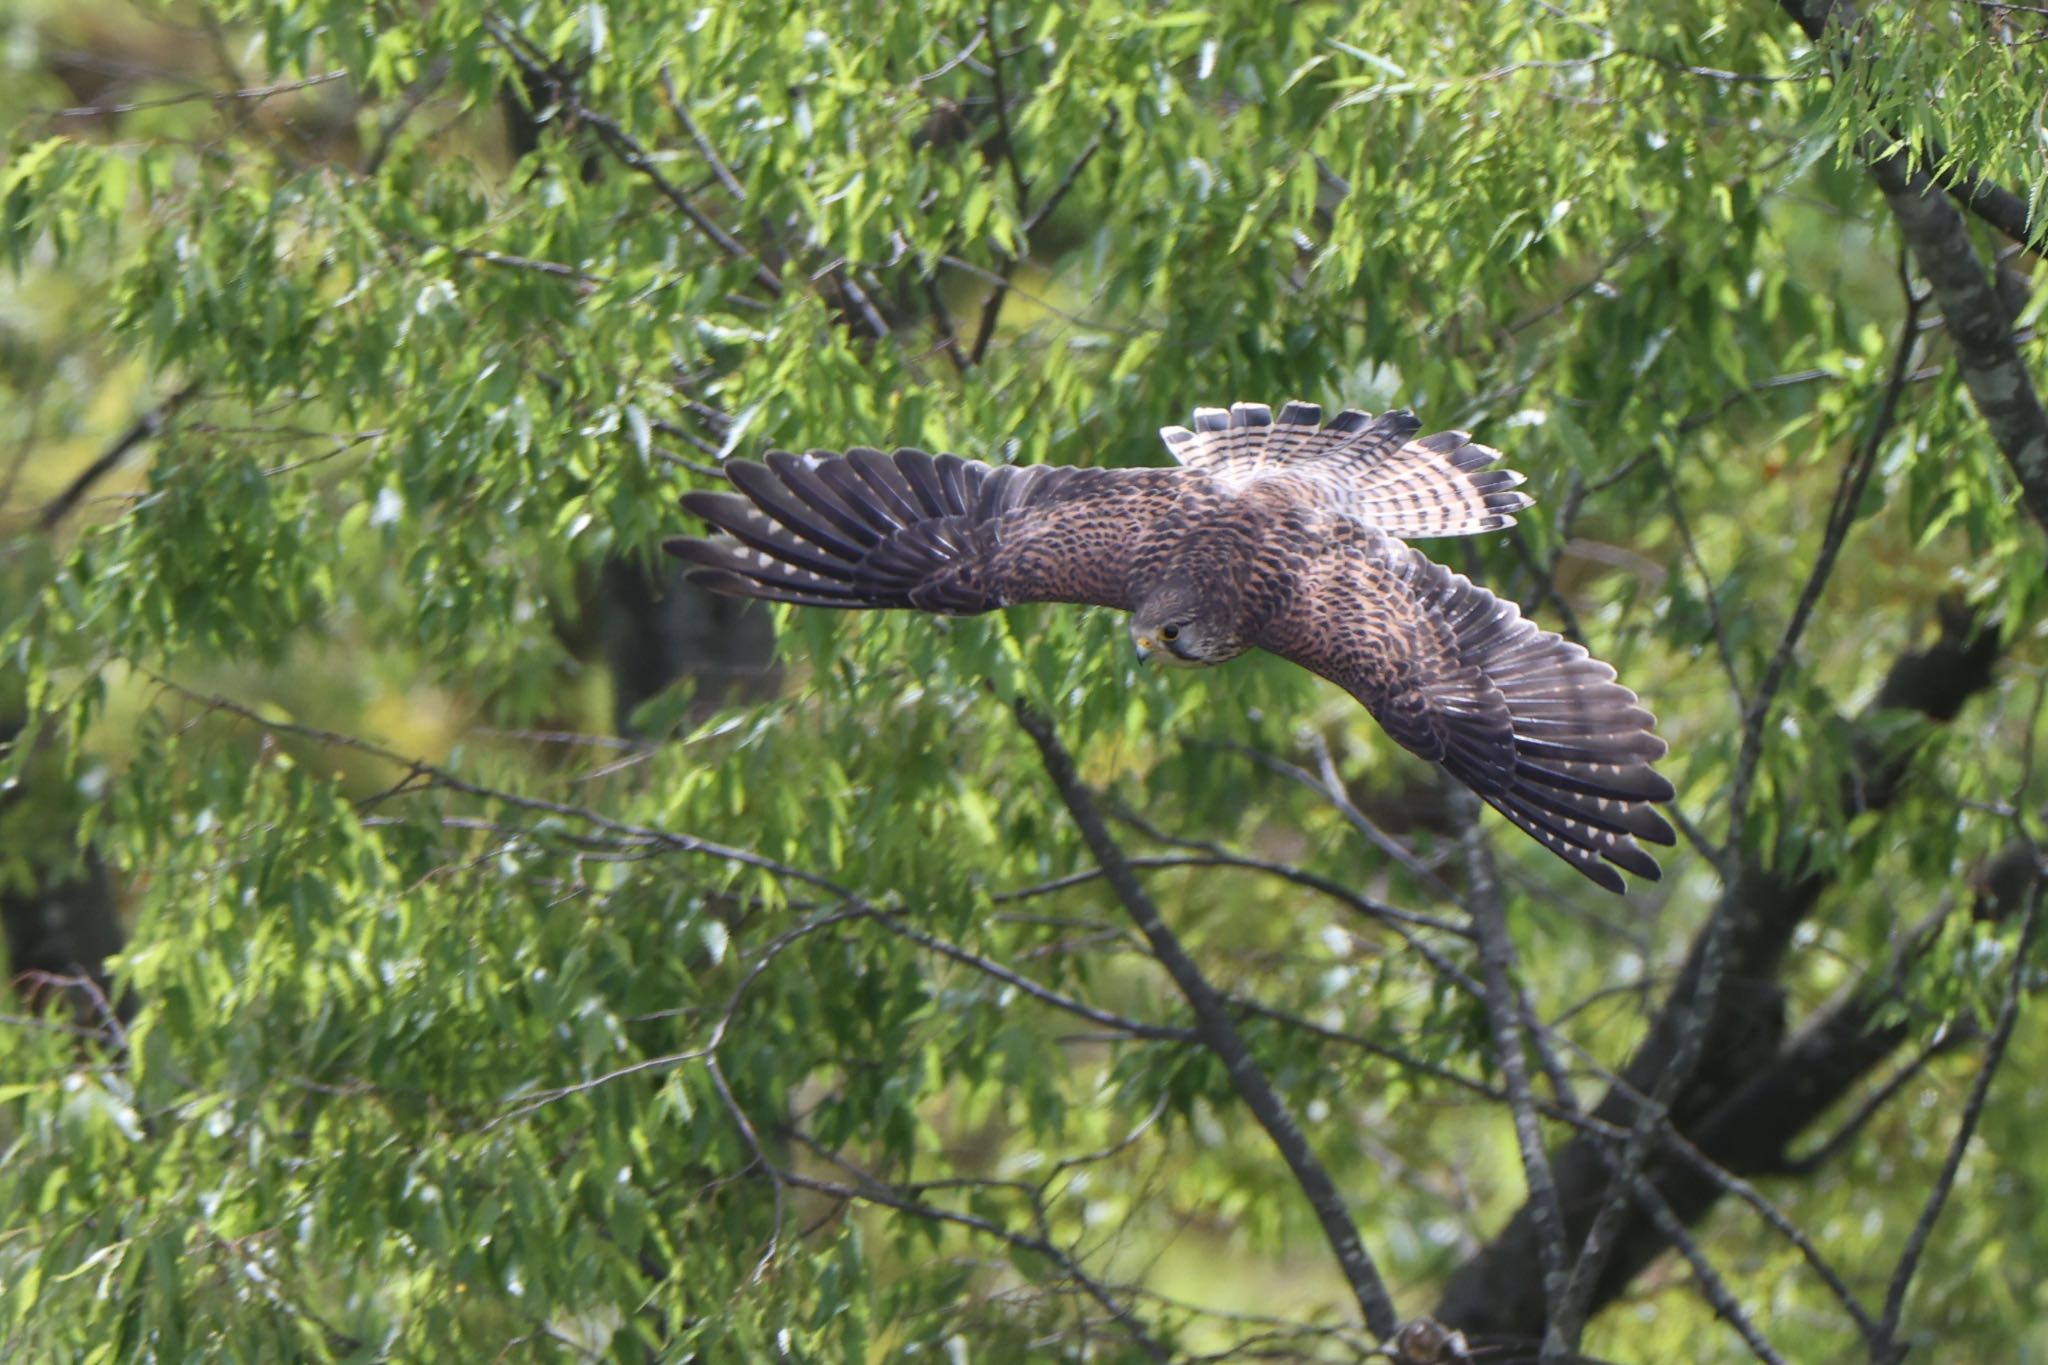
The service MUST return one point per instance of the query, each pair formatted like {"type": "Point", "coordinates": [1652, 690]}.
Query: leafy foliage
{"type": "Point", "coordinates": [809, 1031]}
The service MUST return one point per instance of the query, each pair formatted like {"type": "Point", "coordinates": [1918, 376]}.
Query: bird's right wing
{"type": "Point", "coordinates": [935, 533]}
{"type": "Point", "coordinates": [1529, 720]}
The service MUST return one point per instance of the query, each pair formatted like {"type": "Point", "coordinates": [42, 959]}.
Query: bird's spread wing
{"type": "Point", "coordinates": [1527, 719]}
{"type": "Point", "coordinates": [1366, 467]}
{"type": "Point", "coordinates": [908, 529]}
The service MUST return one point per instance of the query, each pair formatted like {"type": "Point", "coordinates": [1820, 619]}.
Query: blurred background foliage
{"type": "Point", "coordinates": [499, 914]}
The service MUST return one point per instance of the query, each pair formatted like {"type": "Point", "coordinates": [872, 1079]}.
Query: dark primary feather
{"type": "Point", "coordinates": [1315, 510]}
{"type": "Point", "coordinates": [1529, 720]}
{"type": "Point", "coordinates": [910, 529]}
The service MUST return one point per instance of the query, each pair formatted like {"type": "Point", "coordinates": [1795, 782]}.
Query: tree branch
{"type": "Point", "coordinates": [1726, 1306]}
{"type": "Point", "coordinates": [1979, 325]}
{"type": "Point", "coordinates": [1503, 1016]}
{"type": "Point", "coordinates": [1978, 321]}
{"type": "Point", "coordinates": [623, 145]}
{"type": "Point", "coordinates": [1888, 1348]}
{"type": "Point", "coordinates": [148, 425]}
{"type": "Point", "coordinates": [1841, 517]}
{"type": "Point", "coordinates": [1217, 1029]}
{"type": "Point", "coordinates": [1993, 203]}
{"type": "Point", "coordinates": [1750, 1095]}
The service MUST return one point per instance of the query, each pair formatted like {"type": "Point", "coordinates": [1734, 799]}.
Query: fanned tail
{"type": "Point", "coordinates": [1371, 468]}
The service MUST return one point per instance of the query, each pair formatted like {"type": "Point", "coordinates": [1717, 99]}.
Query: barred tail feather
{"type": "Point", "coordinates": [1371, 468]}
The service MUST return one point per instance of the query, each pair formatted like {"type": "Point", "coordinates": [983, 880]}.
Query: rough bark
{"type": "Point", "coordinates": [1753, 1092]}
{"type": "Point", "coordinates": [1979, 324]}
{"type": "Point", "coordinates": [1979, 319]}
{"type": "Point", "coordinates": [59, 916]}
{"type": "Point", "coordinates": [657, 629]}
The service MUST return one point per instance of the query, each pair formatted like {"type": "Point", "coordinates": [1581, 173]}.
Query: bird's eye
{"type": "Point", "coordinates": [1169, 632]}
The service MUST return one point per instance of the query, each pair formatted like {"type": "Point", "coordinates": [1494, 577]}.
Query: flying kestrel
{"type": "Point", "coordinates": [1281, 534]}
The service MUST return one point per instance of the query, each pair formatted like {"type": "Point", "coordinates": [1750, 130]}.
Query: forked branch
{"type": "Point", "coordinates": [1217, 1029]}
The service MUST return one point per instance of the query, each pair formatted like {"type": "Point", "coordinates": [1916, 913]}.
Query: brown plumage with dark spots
{"type": "Point", "coordinates": [1283, 534]}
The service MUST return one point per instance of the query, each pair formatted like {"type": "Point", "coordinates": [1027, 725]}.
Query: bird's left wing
{"type": "Point", "coordinates": [1526, 718]}
{"type": "Point", "coordinates": [932, 532]}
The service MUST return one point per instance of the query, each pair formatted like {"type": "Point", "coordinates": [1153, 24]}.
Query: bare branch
{"type": "Point", "coordinates": [1059, 191]}
{"type": "Point", "coordinates": [1504, 1016]}
{"type": "Point", "coordinates": [1019, 182]}
{"type": "Point", "coordinates": [149, 425]}
{"type": "Point", "coordinates": [1364, 906]}
{"type": "Point", "coordinates": [1841, 516]}
{"type": "Point", "coordinates": [218, 98]}
{"type": "Point", "coordinates": [1650, 1119]}
{"type": "Point", "coordinates": [1992, 202]}
{"type": "Point", "coordinates": [1751, 1094]}
{"type": "Point", "coordinates": [1845, 1133]}
{"type": "Point", "coordinates": [1888, 1349]}
{"type": "Point", "coordinates": [394, 123]}
{"type": "Point", "coordinates": [1217, 1029]}
{"type": "Point", "coordinates": [1020, 185]}
{"type": "Point", "coordinates": [1726, 1305]}
{"type": "Point", "coordinates": [529, 58]}
{"type": "Point", "coordinates": [1979, 325]}
{"type": "Point", "coordinates": [1026, 986]}
{"type": "Point", "coordinates": [889, 1198]}
{"type": "Point", "coordinates": [1775, 1219]}
{"type": "Point", "coordinates": [1710, 592]}
{"type": "Point", "coordinates": [436, 776]}
{"type": "Point", "coordinates": [1979, 322]}
{"type": "Point", "coordinates": [704, 147]}
{"type": "Point", "coordinates": [942, 320]}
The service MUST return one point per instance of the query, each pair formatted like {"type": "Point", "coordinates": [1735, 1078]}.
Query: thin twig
{"type": "Point", "coordinates": [704, 147]}
{"type": "Point", "coordinates": [1841, 517]}
{"type": "Point", "coordinates": [1019, 182]}
{"type": "Point", "coordinates": [150, 424]}
{"type": "Point", "coordinates": [1219, 857]}
{"type": "Point", "coordinates": [776, 1178]}
{"type": "Point", "coordinates": [1726, 1305]}
{"type": "Point", "coordinates": [1330, 786]}
{"type": "Point", "coordinates": [1026, 986]}
{"type": "Point", "coordinates": [877, 326]}
{"type": "Point", "coordinates": [1093, 324]}
{"type": "Point", "coordinates": [1776, 1220]}
{"type": "Point", "coordinates": [888, 1198]}
{"type": "Point", "coordinates": [1059, 191]}
{"type": "Point", "coordinates": [1889, 1349]}
{"type": "Point", "coordinates": [1651, 1116]}
{"type": "Point", "coordinates": [942, 319]}
{"type": "Point", "coordinates": [215, 97]}
{"type": "Point", "coordinates": [394, 123]}
{"type": "Point", "coordinates": [1839, 1141]}
{"type": "Point", "coordinates": [1710, 595]}
{"type": "Point", "coordinates": [1979, 321]}
{"type": "Point", "coordinates": [965, 54]}
{"type": "Point", "coordinates": [991, 307]}
{"type": "Point", "coordinates": [529, 58]}
{"type": "Point", "coordinates": [437, 776]}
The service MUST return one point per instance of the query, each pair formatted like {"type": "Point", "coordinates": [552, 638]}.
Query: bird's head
{"type": "Point", "coordinates": [1181, 627]}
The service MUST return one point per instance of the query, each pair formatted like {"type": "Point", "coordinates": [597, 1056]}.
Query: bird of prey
{"type": "Point", "coordinates": [1281, 533]}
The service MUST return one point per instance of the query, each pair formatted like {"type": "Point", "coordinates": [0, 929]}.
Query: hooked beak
{"type": "Point", "coordinates": [1144, 645]}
